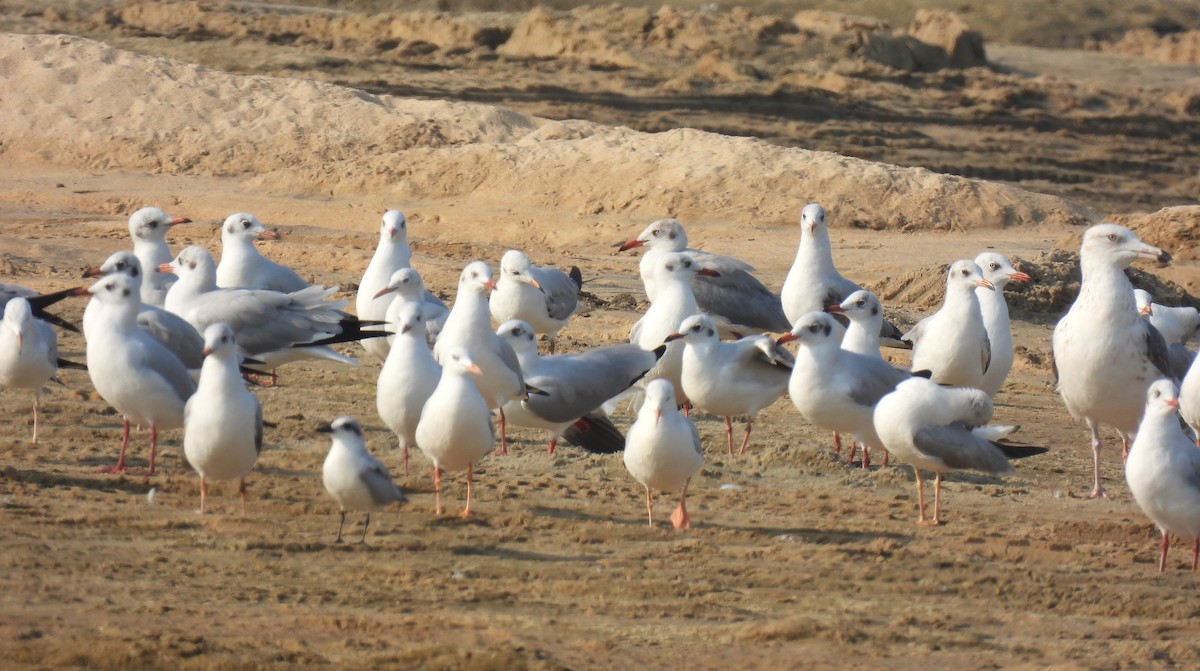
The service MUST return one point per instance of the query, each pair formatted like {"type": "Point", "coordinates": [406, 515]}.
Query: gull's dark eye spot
{"type": "Point", "coordinates": [245, 223]}
{"type": "Point", "coordinates": [192, 266]}
{"type": "Point", "coordinates": [993, 265]}
{"type": "Point", "coordinates": [153, 224]}
{"type": "Point", "coordinates": [711, 333]}
{"type": "Point", "coordinates": [671, 235]}
{"type": "Point", "coordinates": [670, 266]}
{"type": "Point", "coordinates": [698, 326]}
{"type": "Point", "coordinates": [655, 232]}
{"type": "Point", "coordinates": [861, 302]}
{"type": "Point", "coordinates": [687, 263]}
{"type": "Point", "coordinates": [964, 272]}
{"type": "Point", "coordinates": [516, 330]}
{"type": "Point", "coordinates": [1155, 393]}
{"type": "Point", "coordinates": [111, 286]}
{"type": "Point", "coordinates": [133, 272]}
{"type": "Point", "coordinates": [125, 292]}
{"type": "Point", "coordinates": [1112, 237]}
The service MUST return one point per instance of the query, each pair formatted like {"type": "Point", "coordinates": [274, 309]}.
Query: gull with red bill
{"type": "Point", "coordinates": [243, 267]}
{"type": "Point", "coordinates": [148, 227]}
{"type": "Point", "coordinates": [952, 344]}
{"type": "Point", "coordinates": [738, 303]}
{"type": "Point", "coordinates": [541, 296]}
{"type": "Point", "coordinates": [997, 270]}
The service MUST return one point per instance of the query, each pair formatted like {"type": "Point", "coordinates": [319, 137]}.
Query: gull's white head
{"type": "Point", "coordinates": [405, 282]}
{"type": "Point", "coordinates": [519, 335]}
{"type": "Point", "coordinates": [1117, 246]}
{"type": "Point", "coordinates": [679, 266]}
{"type": "Point", "coordinates": [219, 341]}
{"type": "Point", "coordinates": [815, 329]}
{"type": "Point", "coordinates": [1162, 398]}
{"type": "Point", "coordinates": [411, 320]}
{"type": "Point", "coordinates": [458, 360]}
{"type": "Point", "coordinates": [515, 266]}
{"type": "Point", "coordinates": [477, 278]}
{"type": "Point", "coordinates": [663, 234]}
{"type": "Point", "coordinates": [660, 398]}
{"type": "Point", "coordinates": [346, 431]}
{"type": "Point", "coordinates": [18, 318]}
{"type": "Point", "coordinates": [116, 289]}
{"type": "Point", "coordinates": [191, 259]}
{"type": "Point", "coordinates": [860, 306]}
{"type": "Point", "coordinates": [150, 224]}
{"type": "Point", "coordinates": [123, 262]}
{"type": "Point", "coordinates": [243, 226]}
{"type": "Point", "coordinates": [695, 329]}
{"type": "Point", "coordinates": [965, 275]}
{"type": "Point", "coordinates": [997, 270]}
{"type": "Point", "coordinates": [393, 227]}
{"type": "Point", "coordinates": [812, 220]}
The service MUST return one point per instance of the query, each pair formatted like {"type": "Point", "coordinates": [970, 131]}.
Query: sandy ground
{"type": "Point", "coordinates": [796, 559]}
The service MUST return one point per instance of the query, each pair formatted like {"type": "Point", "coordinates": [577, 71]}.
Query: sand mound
{"type": "Point", "coordinates": [1173, 47]}
{"type": "Point", "coordinates": [78, 102]}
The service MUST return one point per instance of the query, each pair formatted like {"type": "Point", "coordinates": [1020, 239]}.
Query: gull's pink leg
{"type": "Point", "coordinates": [920, 497]}
{"type": "Point", "coordinates": [437, 490]}
{"type": "Point", "coordinates": [650, 507]}
{"type": "Point", "coordinates": [837, 444]}
{"type": "Point", "coordinates": [866, 460]}
{"type": "Point", "coordinates": [1162, 557]}
{"type": "Point", "coordinates": [203, 493]}
{"type": "Point", "coordinates": [119, 467]}
{"type": "Point", "coordinates": [553, 444]}
{"type": "Point", "coordinates": [746, 438]}
{"type": "Point", "coordinates": [1098, 489]}
{"type": "Point", "coordinates": [153, 447]}
{"type": "Point", "coordinates": [886, 454]}
{"type": "Point", "coordinates": [853, 449]}
{"type": "Point", "coordinates": [467, 511]}
{"type": "Point", "coordinates": [937, 499]}
{"type": "Point", "coordinates": [503, 434]}
{"type": "Point", "coordinates": [679, 518]}
{"type": "Point", "coordinates": [729, 436]}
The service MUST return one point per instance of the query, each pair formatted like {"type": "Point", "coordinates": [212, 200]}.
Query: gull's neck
{"type": "Point", "coordinates": [1105, 289]}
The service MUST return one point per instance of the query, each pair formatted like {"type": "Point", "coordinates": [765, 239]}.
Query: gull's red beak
{"type": "Point", "coordinates": [985, 284]}
{"type": "Point", "coordinates": [175, 221]}
{"type": "Point", "coordinates": [269, 234]}
{"type": "Point", "coordinates": [786, 337]}
{"type": "Point", "coordinates": [165, 268]}
{"type": "Point", "coordinates": [93, 272]}
{"type": "Point", "coordinates": [490, 285]}
{"type": "Point", "coordinates": [657, 416]}
{"type": "Point", "coordinates": [1019, 276]}
{"type": "Point", "coordinates": [673, 336]}
{"type": "Point", "coordinates": [1146, 310]}
{"type": "Point", "coordinates": [207, 351]}
{"type": "Point", "coordinates": [474, 370]}
{"type": "Point", "coordinates": [708, 272]}
{"type": "Point", "coordinates": [537, 284]}
{"type": "Point", "coordinates": [383, 292]}
{"type": "Point", "coordinates": [835, 309]}
{"type": "Point", "coordinates": [1173, 402]}
{"type": "Point", "coordinates": [629, 244]}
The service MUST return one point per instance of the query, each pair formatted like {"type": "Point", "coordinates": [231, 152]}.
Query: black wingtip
{"type": "Point", "coordinates": [659, 351]}
{"type": "Point", "coordinates": [1020, 451]}
{"type": "Point", "coordinates": [530, 389]}
{"type": "Point", "coordinates": [595, 434]}
{"type": "Point", "coordinates": [576, 276]}
{"type": "Point", "coordinates": [352, 330]}
{"type": "Point", "coordinates": [66, 364]}
{"type": "Point", "coordinates": [927, 374]}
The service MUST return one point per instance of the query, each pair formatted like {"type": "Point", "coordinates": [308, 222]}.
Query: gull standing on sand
{"type": "Point", "coordinates": [952, 343]}
{"type": "Point", "coordinates": [410, 289]}
{"type": "Point", "coordinates": [1105, 354]}
{"type": "Point", "coordinates": [836, 389]}
{"type": "Point", "coordinates": [573, 387]}
{"type": "Point", "coordinates": [178, 336]}
{"type": "Point", "coordinates": [731, 379]}
{"type": "Point", "coordinates": [992, 304]}
{"type": "Point", "coordinates": [272, 327]}
{"type": "Point", "coordinates": [662, 450]}
{"type": "Point", "coordinates": [469, 326]}
{"type": "Point", "coordinates": [1163, 471]}
{"type": "Point", "coordinates": [243, 267]}
{"type": "Point", "coordinates": [28, 353]}
{"type": "Point", "coordinates": [813, 283]}
{"type": "Point", "coordinates": [862, 336]}
{"type": "Point", "coordinates": [929, 427]}
{"type": "Point", "coordinates": [132, 371]}
{"type": "Point", "coordinates": [222, 421]}
{"type": "Point", "coordinates": [354, 478]}
{"type": "Point", "coordinates": [455, 429]}
{"type": "Point", "coordinates": [148, 227]}
{"type": "Point", "coordinates": [541, 296]}
{"type": "Point", "coordinates": [390, 270]}
{"type": "Point", "coordinates": [672, 273]}
{"type": "Point", "coordinates": [734, 298]}
{"type": "Point", "coordinates": [407, 379]}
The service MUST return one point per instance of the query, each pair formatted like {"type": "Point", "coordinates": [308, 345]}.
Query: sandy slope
{"type": "Point", "coordinates": [805, 562]}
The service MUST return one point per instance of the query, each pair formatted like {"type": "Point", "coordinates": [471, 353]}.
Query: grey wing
{"type": "Point", "coordinates": [876, 378]}
{"type": "Point", "coordinates": [47, 334]}
{"type": "Point", "coordinates": [1155, 349]}
{"type": "Point", "coordinates": [584, 382]}
{"type": "Point", "coordinates": [986, 351]}
{"type": "Point", "coordinates": [1181, 360]}
{"type": "Point", "coordinates": [281, 278]}
{"type": "Point", "coordinates": [764, 356]}
{"type": "Point", "coordinates": [957, 447]}
{"type": "Point", "coordinates": [562, 295]}
{"type": "Point", "coordinates": [258, 425]}
{"type": "Point", "coordinates": [159, 359]}
{"type": "Point", "coordinates": [696, 438]}
{"type": "Point", "coordinates": [509, 357]}
{"type": "Point", "coordinates": [11, 291]}
{"type": "Point", "coordinates": [264, 321]}
{"type": "Point", "coordinates": [914, 334]}
{"type": "Point", "coordinates": [379, 483]}
{"type": "Point", "coordinates": [740, 298]}
{"type": "Point", "coordinates": [175, 333]}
